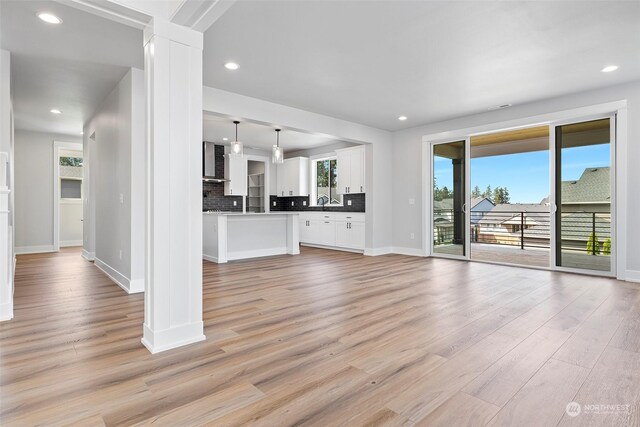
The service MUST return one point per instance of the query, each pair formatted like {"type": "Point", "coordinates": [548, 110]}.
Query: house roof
{"type": "Point", "coordinates": [592, 187]}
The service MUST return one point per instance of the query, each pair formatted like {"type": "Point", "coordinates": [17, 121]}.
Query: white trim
{"type": "Point", "coordinates": [171, 338]}
{"type": "Point", "coordinates": [211, 258]}
{"type": "Point", "coordinates": [333, 248]}
{"type": "Point", "coordinates": [256, 253]}
{"type": "Point", "coordinates": [23, 250]}
{"type": "Point", "coordinates": [89, 256]}
{"type": "Point", "coordinates": [619, 108]}
{"type": "Point", "coordinates": [378, 251]}
{"type": "Point", "coordinates": [408, 251]}
{"type": "Point", "coordinates": [118, 278]}
{"type": "Point", "coordinates": [6, 311]}
{"type": "Point", "coordinates": [57, 146]}
{"type": "Point", "coordinates": [632, 276]}
{"type": "Point", "coordinates": [70, 243]}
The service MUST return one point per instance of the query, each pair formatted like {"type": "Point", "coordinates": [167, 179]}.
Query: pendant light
{"type": "Point", "coordinates": [276, 154]}
{"type": "Point", "coordinates": [236, 146]}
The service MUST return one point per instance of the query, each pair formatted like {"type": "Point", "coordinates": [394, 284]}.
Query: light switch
{"type": "Point", "coordinates": [412, 201]}
{"type": "Point", "coordinates": [121, 198]}
{"type": "Point", "coordinates": [348, 202]}
{"type": "Point", "coordinates": [304, 203]}
{"type": "Point", "coordinates": [235, 203]}
{"type": "Point", "coordinates": [274, 203]}
{"type": "Point", "coordinates": [292, 203]}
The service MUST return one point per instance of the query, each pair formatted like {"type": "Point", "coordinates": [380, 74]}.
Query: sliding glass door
{"type": "Point", "coordinates": [449, 199]}
{"type": "Point", "coordinates": [584, 236]}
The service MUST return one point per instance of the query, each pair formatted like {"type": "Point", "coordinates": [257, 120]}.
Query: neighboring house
{"type": "Point", "coordinates": [590, 193]}
{"type": "Point", "coordinates": [443, 216]}
{"type": "Point", "coordinates": [585, 210]}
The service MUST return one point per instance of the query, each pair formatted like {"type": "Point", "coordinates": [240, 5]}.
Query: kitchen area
{"type": "Point", "coordinates": [279, 189]}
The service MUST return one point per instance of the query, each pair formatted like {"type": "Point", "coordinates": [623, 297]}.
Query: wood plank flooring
{"type": "Point", "coordinates": [326, 338]}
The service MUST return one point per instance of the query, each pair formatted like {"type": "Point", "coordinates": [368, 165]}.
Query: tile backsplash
{"type": "Point", "coordinates": [213, 197]}
{"type": "Point", "coordinates": [297, 204]}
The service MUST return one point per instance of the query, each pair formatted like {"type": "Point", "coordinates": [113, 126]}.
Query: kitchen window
{"type": "Point", "coordinates": [325, 182]}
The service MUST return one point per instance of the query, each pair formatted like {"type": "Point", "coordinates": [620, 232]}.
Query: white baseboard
{"type": "Point", "coordinates": [22, 250]}
{"type": "Point", "coordinates": [256, 253]}
{"type": "Point", "coordinates": [117, 277]}
{"type": "Point", "coordinates": [378, 251]}
{"type": "Point", "coordinates": [89, 256]}
{"type": "Point", "coordinates": [632, 276]}
{"type": "Point", "coordinates": [70, 243]}
{"type": "Point", "coordinates": [408, 251]}
{"type": "Point", "coordinates": [6, 311]}
{"type": "Point", "coordinates": [210, 258]}
{"type": "Point", "coordinates": [333, 248]}
{"type": "Point", "coordinates": [136, 286]}
{"type": "Point", "coordinates": [157, 341]}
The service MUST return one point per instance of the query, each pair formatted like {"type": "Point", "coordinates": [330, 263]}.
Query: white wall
{"type": "Point", "coordinates": [114, 140]}
{"type": "Point", "coordinates": [378, 158]}
{"type": "Point", "coordinates": [33, 165]}
{"type": "Point", "coordinates": [7, 254]}
{"type": "Point", "coordinates": [407, 161]}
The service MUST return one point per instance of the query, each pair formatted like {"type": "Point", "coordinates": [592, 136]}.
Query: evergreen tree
{"type": "Point", "coordinates": [476, 192]}
{"type": "Point", "coordinates": [488, 193]}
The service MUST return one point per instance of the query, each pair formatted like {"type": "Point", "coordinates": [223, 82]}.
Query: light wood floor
{"type": "Point", "coordinates": [328, 339]}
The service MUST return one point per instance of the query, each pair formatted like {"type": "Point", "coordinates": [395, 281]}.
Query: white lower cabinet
{"type": "Point", "coordinates": [333, 229]}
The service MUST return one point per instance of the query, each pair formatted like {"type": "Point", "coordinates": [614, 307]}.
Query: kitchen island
{"type": "Point", "coordinates": [232, 236]}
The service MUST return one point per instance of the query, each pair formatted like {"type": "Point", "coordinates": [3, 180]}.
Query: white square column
{"type": "Point", "coordinates": [173, 291]}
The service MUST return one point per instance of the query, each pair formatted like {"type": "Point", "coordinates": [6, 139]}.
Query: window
{"type": "Point", "coordinates": [71, 161]}
{"type": "Point", "coordinates": [70, 188]}
{"type": "Point", "coordinates": [326, 182]}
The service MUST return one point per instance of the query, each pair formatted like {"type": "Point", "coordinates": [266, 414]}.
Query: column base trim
{"type": "Point", "coordinates": [168, 339]}
{"type": "Point", "coordinates": [6, 311]}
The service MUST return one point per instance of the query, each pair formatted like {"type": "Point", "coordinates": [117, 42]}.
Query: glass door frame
{"type": "Point", "coordinates": [467, 199]}
{"type": "Point", "coordinates": [553, 165]}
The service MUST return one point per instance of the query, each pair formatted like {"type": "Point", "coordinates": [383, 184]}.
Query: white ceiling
{"type": "Point", "coordinates": [71, 66]}
{"type": "Point", "coordinates": [259, 136]}
{"type": "Point", "coordinates": [372, 61]}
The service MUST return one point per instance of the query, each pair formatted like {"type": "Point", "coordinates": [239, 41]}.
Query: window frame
{"type": "Point", "coordinates": [314, 181]}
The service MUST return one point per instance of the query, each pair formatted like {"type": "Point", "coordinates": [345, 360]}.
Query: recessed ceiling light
{"type": "Point", "coordinates": [231, 66]}
{"type": "Point", "coordinates": [402, 118]}
{"type": "Point", "coordinates": [609, 68]}
{"type": "Point", "coordinates": [49, 18]}
{"type": "Point", "coordinates": [225, 139]}
{"type": "Point", "coordinates": [55, 111]}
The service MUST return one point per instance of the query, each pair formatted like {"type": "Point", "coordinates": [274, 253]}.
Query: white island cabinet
{"type": "Point", "coordinates": [231, 236]}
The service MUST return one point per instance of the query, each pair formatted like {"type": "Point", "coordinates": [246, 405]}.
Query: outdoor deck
{"type": "Point", "coordinates": [533, 257]}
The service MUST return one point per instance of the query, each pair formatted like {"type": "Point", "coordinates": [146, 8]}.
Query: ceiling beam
{"type": "Point", "coordinates": [199, 14]}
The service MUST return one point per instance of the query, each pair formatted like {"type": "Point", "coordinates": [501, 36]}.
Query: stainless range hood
{"type": "Point", "coordinates": [209, 163]}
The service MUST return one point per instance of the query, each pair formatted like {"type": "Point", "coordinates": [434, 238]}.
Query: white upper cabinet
{"type": "Point", "coordinates": [351, 175]}
{"type": "Point", "coordinates": [235, 170]}
{"type": "Point", "coordinates": [293, 177]}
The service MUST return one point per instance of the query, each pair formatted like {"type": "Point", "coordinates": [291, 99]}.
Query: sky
{"type": "Point", "coordinates": [526, 175]}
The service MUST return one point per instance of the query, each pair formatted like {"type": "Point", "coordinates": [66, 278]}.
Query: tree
{"type": "Point", "coordinates": [606, 246]}
{"type": "Point", "coordinates": [476, 192]}
{"type": "Point", "coordinates": [501, 195]}
{"type": "Point", "coordinates": [488, 193]}
{"type": "Point", "coordinates": [593, 246]}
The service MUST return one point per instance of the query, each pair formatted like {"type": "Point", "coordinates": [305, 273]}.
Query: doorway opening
{"type": "Point", "coordinates": [538, 196]}
{"type": "Point", "coordinates": [68, 195]}
{"type": "Point", "coordinates": [255, 186]}
{"type": "Point", "coordinates": [509, 206]}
